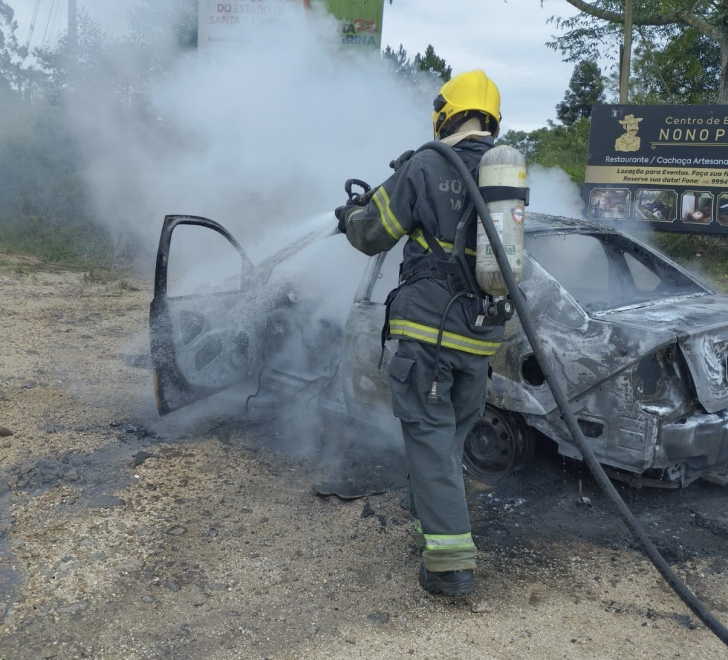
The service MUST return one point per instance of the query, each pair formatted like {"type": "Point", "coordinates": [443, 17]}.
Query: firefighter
{"type": "Point", "coordinates": [439, 372]}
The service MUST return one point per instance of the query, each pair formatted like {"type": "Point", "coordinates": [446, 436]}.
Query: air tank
{"type": "Point", "coordinates": [501, 166]}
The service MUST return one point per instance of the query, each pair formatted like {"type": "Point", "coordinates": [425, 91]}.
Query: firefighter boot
{"type": "Point", "coordinates": [449, 583]}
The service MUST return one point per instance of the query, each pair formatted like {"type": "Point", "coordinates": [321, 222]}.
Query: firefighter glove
{"type": "Point", "coordinates": [340, 214]}
{"type": "Point", "coordinates": [401, 160]}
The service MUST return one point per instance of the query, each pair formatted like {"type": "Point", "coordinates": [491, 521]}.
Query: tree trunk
{"type": "Point", "coordinates": [723, 87]}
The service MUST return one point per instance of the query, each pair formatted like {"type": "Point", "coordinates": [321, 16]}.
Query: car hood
{"type": "Point", "coordinates": [700, 325]}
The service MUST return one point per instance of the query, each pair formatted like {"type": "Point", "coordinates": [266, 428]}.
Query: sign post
{"type": "Point", "coordinates": [660, 165]}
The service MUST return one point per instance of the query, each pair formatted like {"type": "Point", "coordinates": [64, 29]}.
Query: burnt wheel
{"type": "Point", "coordinates": [497, 444]}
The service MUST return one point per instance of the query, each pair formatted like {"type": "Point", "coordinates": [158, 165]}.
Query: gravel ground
{"type": "Point", "coordinates": [123, 536]}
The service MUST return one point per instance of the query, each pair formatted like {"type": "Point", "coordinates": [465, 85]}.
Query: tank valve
{"type": "Point", "coordinates": [503, 309]}
{"type": "Point", "coordinates": [506, 309]}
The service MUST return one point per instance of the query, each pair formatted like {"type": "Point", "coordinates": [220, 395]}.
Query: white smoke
{"type": "Point", "coordinates": [260, 139]}
{"type": "Point", "coordinates": [554, 193]}
{"type": "Point", "coordinates": [257, 137]}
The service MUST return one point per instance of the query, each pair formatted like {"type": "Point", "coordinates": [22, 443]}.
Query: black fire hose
{"type": "Point", "coordinates": [680, 588]}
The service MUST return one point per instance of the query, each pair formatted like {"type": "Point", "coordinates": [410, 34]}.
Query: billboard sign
{"type": "Point", "coordinates": [234, 22]}
{"type": "Point", "coordinates": [360, 21]}
{"type": "Point", "coordinates": [660, 165]}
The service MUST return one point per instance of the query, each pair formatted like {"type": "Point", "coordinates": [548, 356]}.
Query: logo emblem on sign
{"type": "Point", "coordinates": [517, 214]}
{"type": "Point", "coordinates": [363, 25]}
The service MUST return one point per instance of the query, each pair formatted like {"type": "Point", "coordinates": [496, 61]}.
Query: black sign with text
{"type": "Point", "coordinates": [661, 165]}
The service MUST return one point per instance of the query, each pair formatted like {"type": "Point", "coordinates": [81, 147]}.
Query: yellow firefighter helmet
{"type": "Point", "coordinates": [468, 95]}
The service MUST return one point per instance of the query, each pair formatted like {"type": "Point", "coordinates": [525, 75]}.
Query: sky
{"type": "Point", "coordinates": [505, 39]}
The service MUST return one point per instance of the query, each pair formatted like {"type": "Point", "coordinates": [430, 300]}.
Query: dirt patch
{"type": "Point", "coordinates": [125, 536]}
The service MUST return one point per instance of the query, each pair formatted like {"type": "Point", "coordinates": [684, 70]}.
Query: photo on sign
{"type": "Point", "coordinates": [609, 203]}
{"type": "Point", "coordinates": [697, 206]}
{"type": "Point", "coordinates": [723, 209]}
{"type": "Point", "coordinates": [655, 205]}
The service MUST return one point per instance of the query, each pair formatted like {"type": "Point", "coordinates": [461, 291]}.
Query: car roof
{"type": "Point", "coordinates": [536, 223]}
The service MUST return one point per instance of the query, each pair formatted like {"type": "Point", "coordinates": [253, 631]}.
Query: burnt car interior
{"type": "Point", "coordinates": [219, 320]}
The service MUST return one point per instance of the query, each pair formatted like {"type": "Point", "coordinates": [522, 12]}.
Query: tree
{"type": "Point", "coordinates": [429, 63]}
{"type": "Point", "coordinates": [435, 68]}
{"type": "Point", "coordinates": [399, 61]}
{"type": "Point", "coordinates": [657, 21]}
{"type": "Point", "coordinates": [554, 146]}
{"type": "Point", "coordinates": [586, 88]}
{"type": "Point", "coordinates": [432, 64]}
{"type": "Point", "coordinates": [66, 71]}
{"type": "Point", "coordinates": [11, 54]}
{"type": "Point", "coordinates": [685, 70]}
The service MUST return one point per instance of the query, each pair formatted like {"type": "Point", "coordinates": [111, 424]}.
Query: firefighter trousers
{"type": "Point", "coordinates": [434, 434]}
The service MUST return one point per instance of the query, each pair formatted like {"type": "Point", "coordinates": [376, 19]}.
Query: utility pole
{"type": "Point", "coordinates": [626, 53]}
{"type": "Point", "coordinates": [72, 26]}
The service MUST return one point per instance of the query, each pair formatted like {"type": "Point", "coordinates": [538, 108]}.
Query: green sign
{"type": "Point", "coordinates": [360, 21]}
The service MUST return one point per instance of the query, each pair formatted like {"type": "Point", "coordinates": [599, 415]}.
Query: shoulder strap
{"type": "Point", "coordinates": [434, 245]}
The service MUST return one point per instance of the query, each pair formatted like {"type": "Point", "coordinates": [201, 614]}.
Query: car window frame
{"type": "Point", "coordinates": [615, 257]}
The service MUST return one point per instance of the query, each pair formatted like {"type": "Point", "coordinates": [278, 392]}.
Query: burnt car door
{"type": "Point", "coordinates": [203, 294]}
{"type": "Point", "coordinates": [219, 320]}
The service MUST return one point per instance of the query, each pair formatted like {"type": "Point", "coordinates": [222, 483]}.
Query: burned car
{"type": "Point", "coordinates": [639, 345]}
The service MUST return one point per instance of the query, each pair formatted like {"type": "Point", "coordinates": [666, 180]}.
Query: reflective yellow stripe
{"type": "Point", "coordinates": [389, 221]}
{"type": "Point", "coordinates": [428, 334]}
{"type": "Point", "coordinates": [419, 238]}
{"type": "Point", "coordinates": [449, 541]}
{"type": "Point", "coordinates": [418, 525]}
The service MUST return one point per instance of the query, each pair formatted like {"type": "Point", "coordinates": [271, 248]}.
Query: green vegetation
{"type": "Point", "coordinates": [707, 254]}
{"type": "Point", "coordinates": [586, 89]}
{"type": "Point", "coordinates": [554, 146]}
{"type": "Point", "coordinates": [429, 63]}
{"type": "Point", "coordinates": [44, 202]}
{"type": "Point", "coordinates": [46, 206]}
{"type": "Point", "coordinates": [680, 45]}
{"type": "Point", "coordinates": [564, 145]}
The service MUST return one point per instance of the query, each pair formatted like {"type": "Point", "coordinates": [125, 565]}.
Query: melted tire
{"type": "Point", "coordinates": [497, 444]}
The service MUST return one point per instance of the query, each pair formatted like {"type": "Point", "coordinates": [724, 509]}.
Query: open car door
{"type": "Point", "coordinates": [217, 320]}
{"type": "Point", "coordinates": [201, 334]}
